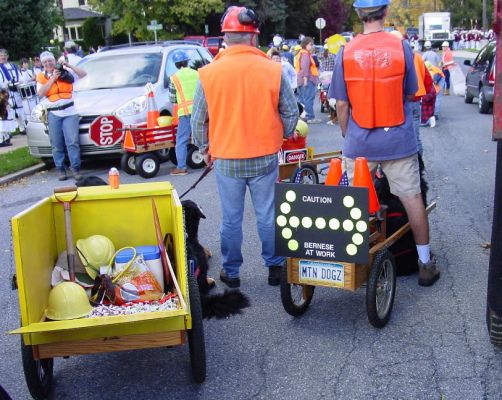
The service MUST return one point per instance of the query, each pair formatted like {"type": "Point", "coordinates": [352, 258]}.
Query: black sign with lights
{"type": "Point", "coordinates": [322, 222]}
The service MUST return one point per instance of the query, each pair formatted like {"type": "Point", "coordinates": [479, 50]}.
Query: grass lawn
{"type": "Point", "coordinates": [16, 160]}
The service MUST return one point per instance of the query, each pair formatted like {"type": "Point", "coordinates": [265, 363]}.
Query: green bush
{"type": "Point", "coordinates": [92, 32]}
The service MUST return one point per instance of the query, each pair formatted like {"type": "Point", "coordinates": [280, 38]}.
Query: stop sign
{"type": "Point", "coordinates": [106, 130]}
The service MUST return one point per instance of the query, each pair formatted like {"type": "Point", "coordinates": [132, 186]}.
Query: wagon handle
{"type": "Point", "coordinates": [65, 189]}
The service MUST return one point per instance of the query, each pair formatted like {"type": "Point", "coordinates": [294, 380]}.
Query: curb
{"type": "Point", "coordinates": [22, 174]}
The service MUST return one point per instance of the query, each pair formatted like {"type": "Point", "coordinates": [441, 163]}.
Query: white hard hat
{"type": "Point", "coordinates": [277, 40]}
{"type": "Point", "coordinates": [69, 44]}
{"type": "Point", "coordinates": [445, 44]}
{"type": "Point", "coordinates": [428, 44]}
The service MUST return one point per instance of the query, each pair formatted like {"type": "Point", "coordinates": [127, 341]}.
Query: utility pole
{"type": "Point", "coordinates": [485, 19]}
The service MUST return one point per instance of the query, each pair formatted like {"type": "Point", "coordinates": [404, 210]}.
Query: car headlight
{"type": "Point", "coordinates": [36, 113]}
{"type": "Point", "coordinates": [132, 107]}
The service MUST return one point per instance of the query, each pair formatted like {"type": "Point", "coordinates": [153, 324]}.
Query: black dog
{"type": "Point", "coordinates": [223, 305]}
{"type": "Point", "coordinates": [404, 250]}
{"type": "Point", "coordinates": [90, 181]}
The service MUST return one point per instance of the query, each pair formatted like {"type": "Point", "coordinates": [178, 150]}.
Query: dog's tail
{"type": "Point", "coordinates": [223, 305]}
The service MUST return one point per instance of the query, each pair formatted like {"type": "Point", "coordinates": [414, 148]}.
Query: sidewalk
{"type": "Point", "coordinates": [17, 141]}
{"type": "Point", "coordinates": [464, 54]}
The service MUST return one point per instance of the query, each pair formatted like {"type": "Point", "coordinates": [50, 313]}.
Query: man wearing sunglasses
{"type": "Point", "coordinates": [243, 108]}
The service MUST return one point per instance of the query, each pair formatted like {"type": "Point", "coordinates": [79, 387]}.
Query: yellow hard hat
{"type": "Point", "coordinates": [297, 47]}
{"type": "Point", "coordinates": [95, 251]}
{"type": "Point", "coordinates": [164, 120]}
{"type": "Point", "coordinates": [302, 129]}
{"type": "Point", "coordinates": [67, 300]}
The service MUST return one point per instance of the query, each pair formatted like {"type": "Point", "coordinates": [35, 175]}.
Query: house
{"type": "Point", "coordinates": [75, 13]}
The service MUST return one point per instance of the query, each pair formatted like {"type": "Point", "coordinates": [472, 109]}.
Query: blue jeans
{"type": "Point", "coordinates": [439, 96]}
{"type": "Point", "coordinates": [182, 138]}
{"type": "Point", "coordinates": [232, 195]}
{"type": "Point", "coordinates": [417, 113]}
{"type": "Point", "coordinates": [307, 96]}
{"type": "Point", "coordinates": [63, 131]}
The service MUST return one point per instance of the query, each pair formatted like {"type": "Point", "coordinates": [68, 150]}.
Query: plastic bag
{"type": "Point", "coordinates": [136, 283]}
{"type": "Point", "coordinates": [457, 80]}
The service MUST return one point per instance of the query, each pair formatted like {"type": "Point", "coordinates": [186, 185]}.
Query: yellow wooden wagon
{"type": "Point", "coordinates": [125, 216]}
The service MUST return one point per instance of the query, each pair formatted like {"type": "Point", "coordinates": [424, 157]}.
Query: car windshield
{"type": "Point", "coordinates": [117, 71]}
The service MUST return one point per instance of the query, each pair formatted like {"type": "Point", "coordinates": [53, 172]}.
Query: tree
{"type": "Point", "coordinates": [133, 16]}
{"type": "Point", "coordinates": [92, 32]}
{"type": "Point", "coordinates": [335, 13]}
{"type": "Point", "coordinates": [26, 26]}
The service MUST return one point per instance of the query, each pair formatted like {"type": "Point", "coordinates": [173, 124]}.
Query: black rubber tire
{"type": "Point", "coordinates": [163, 155]}
{"type": "Point", "coordinates": [195, 336]}
{"type": "Point", "coordinates": [308, 175]}
{"type": "Point", "coordinates": [172, 156]}
{"type": "Point", "coordinates": [39, 385]}
{"type": "Point", "coordinates": [494, 325]}
{"type": "Point", "coordinates": [483, 105]}
{"type": "Point", "coordinates": [293, 306]}
{"type": "Point", "coordinates": [48, 161]}
{"type": "Point", "coordinates": [128, 163]}
{"type": "Point", "coordinates": [3, 394]}
{"type": "Point", "coordinates": [468, 98]}
{"type": "Point", "coordinates": [383, 264]}
{"type": "Point", "coordinates": [147, 165]}
{"type": "Point", "coordinates": [194, 158]}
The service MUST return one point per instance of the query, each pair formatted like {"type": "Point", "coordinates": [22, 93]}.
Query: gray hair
{"type": "Point", "coordinates": [46, 55]}
{"type": "Point", "coordinates": [232, 38]}
{"type": "Point", "coordinates": [4, 51]}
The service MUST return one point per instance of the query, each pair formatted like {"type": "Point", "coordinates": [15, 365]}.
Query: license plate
{"type": "Point", "coordinates": [321, 273]}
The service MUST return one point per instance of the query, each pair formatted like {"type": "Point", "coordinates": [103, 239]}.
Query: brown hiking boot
{"type": "Point", "coordinates": [428, 273]}
{"type": "Point", "coordinates": [447, 92]}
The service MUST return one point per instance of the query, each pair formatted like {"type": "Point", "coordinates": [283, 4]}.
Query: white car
{"type": "Point", "coordinates": [115, 85]}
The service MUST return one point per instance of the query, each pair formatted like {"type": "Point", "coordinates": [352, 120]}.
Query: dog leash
{"type": "Point", "coordinates": [203, 175]}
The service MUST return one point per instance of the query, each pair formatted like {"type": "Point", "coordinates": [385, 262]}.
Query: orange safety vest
{"type": "Point", "coordinates": [448, 59]}
{"type": "Point", "coordinates": [59, 89]}
{"type": "Point", "coordinates": [420, 71]}
{"type": "Point", "coordinates": [374, 68]}
{"type": "Point", "coordinates": [313, 69]}
{"type": "Point", "coordinates": [242, 86]}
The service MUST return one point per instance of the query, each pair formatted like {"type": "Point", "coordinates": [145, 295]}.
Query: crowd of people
{"type": "Point", "coordinates": [471, 39]}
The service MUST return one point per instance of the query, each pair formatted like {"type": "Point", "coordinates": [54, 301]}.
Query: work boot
{"type": "Point", "coordinates": [230, 282]}
{"type": "Point", "coordinates": [75, 174]}
{"type": "Point", "coordinates": [428, 273]}
{"type": "Point", "coordinates": [62, 174]}
{"type": "Point", "coordinates": [274, 275]}
{"type": "Point", "coordinates": [447, 92]}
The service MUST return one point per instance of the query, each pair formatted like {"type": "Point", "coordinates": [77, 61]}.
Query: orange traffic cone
{"type": "Point", "coordinates": [362, 178]}
{"type": "Point", "coordinates": [129, 142]}
{"type": "Point", "coordinates": [152, 112]}
{"type": "Point", "coordinates": [334, 172]}
{"type": "Point", "coordinates": [175, 115]}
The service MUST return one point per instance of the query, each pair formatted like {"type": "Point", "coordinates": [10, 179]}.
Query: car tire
{"type": "Point", "coordinates": [483, 104]}
{"type": "Point", "coordinates": [147, 165]}
{"type": "Point", "coordinates": [48, 161]}
{"type": "Point", "coordinates": [468, 98]}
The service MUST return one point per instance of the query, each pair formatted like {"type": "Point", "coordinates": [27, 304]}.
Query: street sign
{"type": "Point", "coordinates": [320, 23]}
{"type": "Point", "coordinates": [106, 130]}
{"type": "Point", "coordinates": [154, 27]}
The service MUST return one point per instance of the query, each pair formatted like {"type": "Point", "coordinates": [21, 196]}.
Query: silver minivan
{"type": "Point", "coordinates": [115, 85]}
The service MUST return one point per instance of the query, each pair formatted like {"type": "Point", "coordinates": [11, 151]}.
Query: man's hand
{"type": "Point", "coordinates": [208, 159]}
{"type": "Point", "coordinates": [55, 75]}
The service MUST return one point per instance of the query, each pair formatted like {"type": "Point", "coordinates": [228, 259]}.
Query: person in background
{"type": "Point", "coordinates": [7, 120]}
{"type": "Point", "coordinates": [37, 66]}
{"type": "Point", "coordinates": [430, 55]}
{"type": "Point", "coordinates": [328, 63]}
{"type": "Point", "coordinates": [10, 76]}
{"type": "Point", "coordinates": [439, 82]}
{"type": "Point", "coordinates": [287, 69]}
{"type": "Point", "coordinates": [181, 91]}
{"type": "Point", "coordinates": [55, 88]}
{"type": "Point", "coordinates": [447, 63]}
{"type": "Point", "coordinates": [376, 117]}
{"type": "Point", "coordinates": [71, 53]}
{"type": "Point", "coordinates": [243, 108]}
{"type": "Point", "coordinates": [288, 55]}
{"type": "Point", "coordinates": [308, 78]}
{"type": "Point", "coordinates": [26, 73]}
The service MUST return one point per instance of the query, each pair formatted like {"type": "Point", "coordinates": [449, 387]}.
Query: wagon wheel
{"type": "Point", "coordinates": [494, 324]}
{"type": "Point", "coordinates": [306, 174]}
{"type": "Point", "coordinates": [195, 159]}
{"type": "Point", "coordinates": [295, 298]}
{"type": "Point", "coordinates": [147, 165]}
{"type": "Point", "coordinates": [195, 336]}
{"type": "Point", "coordinates": [172, 156]}
{"type": "Point", "coordinates": [163, 155]}
{"type": "Point", "coordinates": [381, 289]}
{"type": "Point", "coordinates": [128, 163]}
{"type": "Point", "coordinates": [38, 373]}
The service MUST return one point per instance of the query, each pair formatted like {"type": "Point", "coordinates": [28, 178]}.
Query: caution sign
{"type": "Point", "coordinates": [322, 222]}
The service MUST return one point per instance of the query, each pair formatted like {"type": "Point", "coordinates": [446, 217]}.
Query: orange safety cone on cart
{"type": "Point", "coordinates": [175, 115]}
{"type": "Point", "coordinates": [129, 142]}
{"type": "Point", "coordinates": [362, 178]}
{"type": "Point", "coordinates": [152, 112]}
{"type": "Point", "coordinates": [334, 172]}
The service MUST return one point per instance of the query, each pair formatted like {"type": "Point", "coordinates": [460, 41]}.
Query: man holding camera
{"type": "Point", "coordinates": [55, 88]}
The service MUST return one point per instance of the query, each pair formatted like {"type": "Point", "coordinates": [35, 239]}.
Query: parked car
{"type": "Point", "coordinates": [115, 84]}
{"type": "Point", "coordinates": [212, 43]}
{"type": "Point", "coordinates": [480, 79]}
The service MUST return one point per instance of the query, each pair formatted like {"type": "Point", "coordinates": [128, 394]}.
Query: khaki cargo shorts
{"type": "Point", "coordinates": [403, 174]}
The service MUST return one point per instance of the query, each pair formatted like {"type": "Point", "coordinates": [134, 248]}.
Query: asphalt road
{"type": "Point", "coordinates": [435, 344]}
